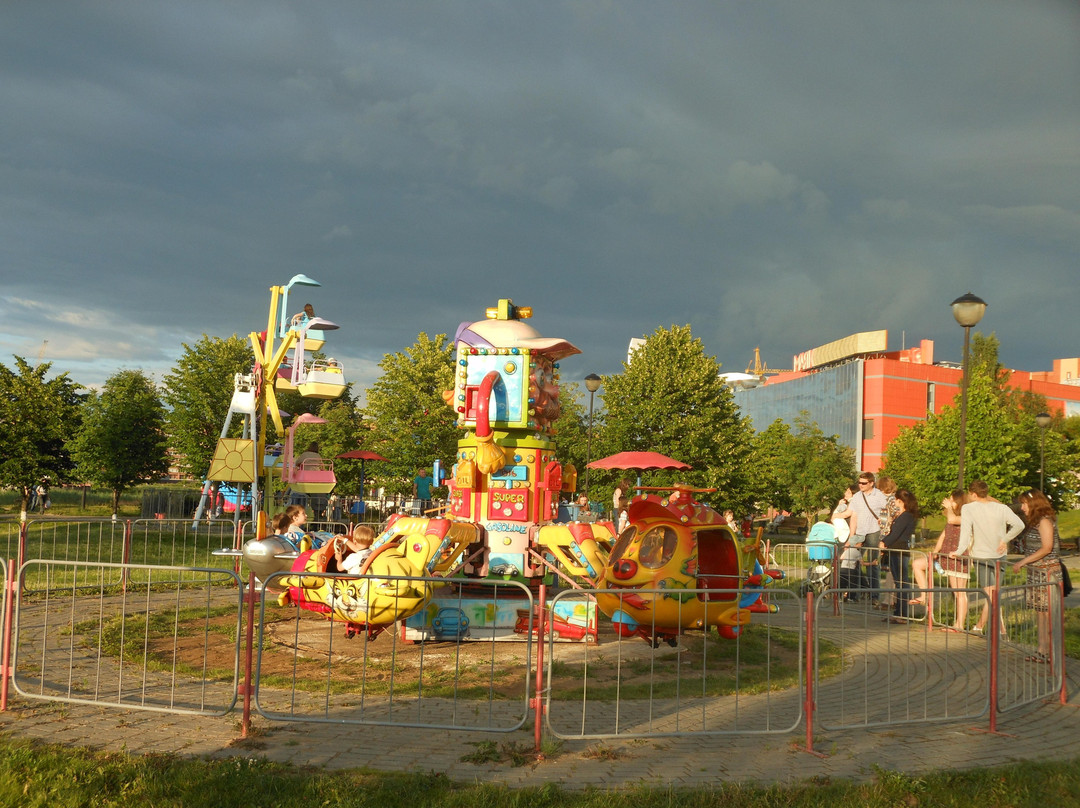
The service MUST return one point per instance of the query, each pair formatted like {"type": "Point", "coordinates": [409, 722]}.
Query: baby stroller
{"type": "Point", "coordinates": [820, 545]}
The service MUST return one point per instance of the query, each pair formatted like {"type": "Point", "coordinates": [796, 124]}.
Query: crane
{"type": "Point", "coordinates": [41, 353]}
{"type": "Point", "coordinates": [761, 369]}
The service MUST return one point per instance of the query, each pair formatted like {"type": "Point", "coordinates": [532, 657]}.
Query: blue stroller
{"type": "Point", "coordinates": [820, 547]}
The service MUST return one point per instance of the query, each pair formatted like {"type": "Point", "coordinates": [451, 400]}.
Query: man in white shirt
{"type": "Point", "coordinates": [866, 506]}
{"type": "Point", "coordinates": [986, 526]}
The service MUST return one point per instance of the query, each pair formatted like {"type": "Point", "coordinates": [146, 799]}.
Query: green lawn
{"type": "Point", "coordinates": [34, 775]}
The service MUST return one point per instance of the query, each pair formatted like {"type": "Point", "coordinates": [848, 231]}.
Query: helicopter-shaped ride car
{"type": "Point", "coordinates": [678, 565]}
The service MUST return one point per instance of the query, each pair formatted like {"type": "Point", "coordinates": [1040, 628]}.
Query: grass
{"type": "Point", "coordinates": [34, 776]}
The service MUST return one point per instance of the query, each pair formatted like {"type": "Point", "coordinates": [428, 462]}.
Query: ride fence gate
{"type": "Point", "coordinates": [142, 616]}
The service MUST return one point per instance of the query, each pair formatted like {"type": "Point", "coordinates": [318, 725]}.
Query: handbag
{"type": "Point", "coordinates": [1066, 582]}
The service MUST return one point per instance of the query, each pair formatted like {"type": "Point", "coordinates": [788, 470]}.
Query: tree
{"type": "Point", "coordinates": [198, 391]}
{"type": "Point", "coordinates": [572, 432]}
{"type": "Point", "coordinates": [925, 460]}
{"type": "Point", "coordinates": [806, 469]}
{"type": "Point", "coordinates": [411, 424]}
{"type": "Point", "coordinates": [122, 438]}
{"type": "Point", "coordinates": [670, 399]}
{"type": "Point", "coordinates": [36, 419]}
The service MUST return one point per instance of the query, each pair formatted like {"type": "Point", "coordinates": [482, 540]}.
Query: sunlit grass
{"type": "Point", "coordinates": [33, 775]}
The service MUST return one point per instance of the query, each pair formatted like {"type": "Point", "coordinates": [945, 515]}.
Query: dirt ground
{"type": "Point", "coordinates": [298, 650]}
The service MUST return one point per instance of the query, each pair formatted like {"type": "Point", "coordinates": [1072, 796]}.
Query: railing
{"type": "Point", "coordinates": [76, 640]}
{"type": "Point", "coordinates": [158, 632]}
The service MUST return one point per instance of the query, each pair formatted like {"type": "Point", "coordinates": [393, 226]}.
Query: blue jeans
{"type": "Point", "coordinates": [871, 557]}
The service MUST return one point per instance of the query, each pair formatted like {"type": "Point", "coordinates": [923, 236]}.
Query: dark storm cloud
{"type": "Point", "coordinates": [774, 174]}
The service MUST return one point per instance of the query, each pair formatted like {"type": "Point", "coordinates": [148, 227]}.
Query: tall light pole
{"type": "Point", "coordinates": [1043, 419]}
{"type": "Point", "coordinates": [967, 310]}
{"type": "Point", "coordinates": [592, 384]}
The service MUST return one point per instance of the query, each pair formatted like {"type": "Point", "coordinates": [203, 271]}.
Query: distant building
{"type": "Point", "coordinates": [856, 389]}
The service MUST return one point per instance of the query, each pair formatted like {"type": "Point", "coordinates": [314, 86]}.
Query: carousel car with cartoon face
{"type": "Point", "coordinates": [678, 565]}
{"type": "Point", "coordinates": [393, 583]}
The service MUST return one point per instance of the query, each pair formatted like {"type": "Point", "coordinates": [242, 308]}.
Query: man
{"type": "Point", "coordinates": [867, 506]}
{"type": "Point", "coordinates": [421, 490]}
{"type": "Point", "coordinates": [986, 526]}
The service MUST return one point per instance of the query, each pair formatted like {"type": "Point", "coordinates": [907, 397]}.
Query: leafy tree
{"type": "Point", "coordinates": [410, 422]}
{"type": "Point", "coordinates": [807, 469]}
{"type": "Point", "coordinates": [122, 438]}
{"type": "Point", "coordinates": [198, 391]}
{"type": "Point", "coordinates": [572, 431]}
{"type": "Point", "coordinates": [37, 416]}
{"type": "Point", "coordinates": [925, 458]}
{"type": "Point", "coordinates": [670, 399]}
{"type": "Point", "coordinates": [767, 465]}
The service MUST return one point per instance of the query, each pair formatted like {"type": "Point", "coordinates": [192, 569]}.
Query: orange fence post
{"type": "Point", "coordinates": [537, 700]}
{"type": "Point", "coordinates": [249, 643]}
{"type": "Point", "coordinates": [9, 608]}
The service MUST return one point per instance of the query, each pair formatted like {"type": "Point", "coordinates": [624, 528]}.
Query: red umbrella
{"type": "Point", "coordinates": [363, 455]}
{"type": "Point", "coordinates": [638, 461]}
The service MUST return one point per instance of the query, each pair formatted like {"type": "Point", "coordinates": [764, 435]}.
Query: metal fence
{"type": "Point", "coordinates": [142, 615]}
{"type": "Point", "coordinates": [623, 687]}
{"type": "Point", "coordinates": [476, 679]}
{"type": "Point", "coordinates": [157, 645]}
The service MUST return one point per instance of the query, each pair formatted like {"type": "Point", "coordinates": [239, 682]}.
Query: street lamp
{"type": "Point", "coordinates": [1043, 419]}
{"type": "Point", "coordinates": [967, 310]}
{"type": "Point", "coordinates": [592, 384]}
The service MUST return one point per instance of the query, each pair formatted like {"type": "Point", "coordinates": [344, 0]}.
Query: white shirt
{"type": "Point", "coordinates": [354, 561]}
{"type": "Point", "coordinates": [984, 526]}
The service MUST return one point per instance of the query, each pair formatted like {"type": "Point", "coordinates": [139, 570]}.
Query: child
{"type": "Point", "coordinates": [351, 553]}
{"type": "Point", "coordinates": [850, 574]}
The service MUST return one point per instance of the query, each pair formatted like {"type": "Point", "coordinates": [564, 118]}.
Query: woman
{"type": "Point", "coordinates": [956, 568]}
{"type": "Point", "coordinates": [1041, 547]}
{"type": "Point", "coordinates": [897, 541]}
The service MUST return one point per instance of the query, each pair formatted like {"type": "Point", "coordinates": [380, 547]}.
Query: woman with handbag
{"type": "Point", "coordinates": [1041, 547]}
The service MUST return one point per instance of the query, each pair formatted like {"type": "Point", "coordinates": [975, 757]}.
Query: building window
{"type": "Point", "coordinates": [868, 429]}
{"type": "Point", "coordinates": [930, 391]}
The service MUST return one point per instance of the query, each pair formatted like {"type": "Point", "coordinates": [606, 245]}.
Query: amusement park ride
{"type": "Point", "coordinates": [677, 566]}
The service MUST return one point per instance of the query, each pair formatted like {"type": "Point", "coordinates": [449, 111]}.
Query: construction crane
{"type": "Point", "coordinates": [759, 368]}
{"type": "Point", "coordinates": [41, 353]}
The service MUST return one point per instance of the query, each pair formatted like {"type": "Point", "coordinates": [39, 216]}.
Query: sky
{"type": "Point", "coordinates": [774, 174]}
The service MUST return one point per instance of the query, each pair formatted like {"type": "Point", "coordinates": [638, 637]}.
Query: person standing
{"type": "Point", "coordinates": [1041, 546]}
{"type": "Point", "coordinates": [421, 490]}
{"type": "Point", "coordinates": [867, 507]}
{"type": "Point", "coordinates": [986, 528]}
{"type": "Point", "coordinates": [898, 542]}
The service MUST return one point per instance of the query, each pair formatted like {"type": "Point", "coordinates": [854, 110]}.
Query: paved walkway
{"type": "Point", "coordinates": [1044, 730]}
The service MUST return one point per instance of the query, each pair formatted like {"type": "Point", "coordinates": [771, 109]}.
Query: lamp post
{"type": "Point", "coordinates": [967, 310]}
{"type": "Point", "coordinates": [592, 384]}
{"type": "Point", "coordinates": [1043, 420]}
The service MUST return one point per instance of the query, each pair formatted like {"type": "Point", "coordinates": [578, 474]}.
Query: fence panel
{"type": "Point", "coordinates": [159, 645]}
{"type": "Point", "coordinates": [625, 687]}
{"type": "Point", "coordinates": [1022, 674]}
{"type": "Point", "coordinates": [180, 544]}
{"type": "Point", "coordinates": [10, 532]}
{"type": "Point", "coordinates": [474, 678]}
{"type": "Point", "coordinates": [894, 671]}
{"type": "Point", "coordinates": [100, 541]}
